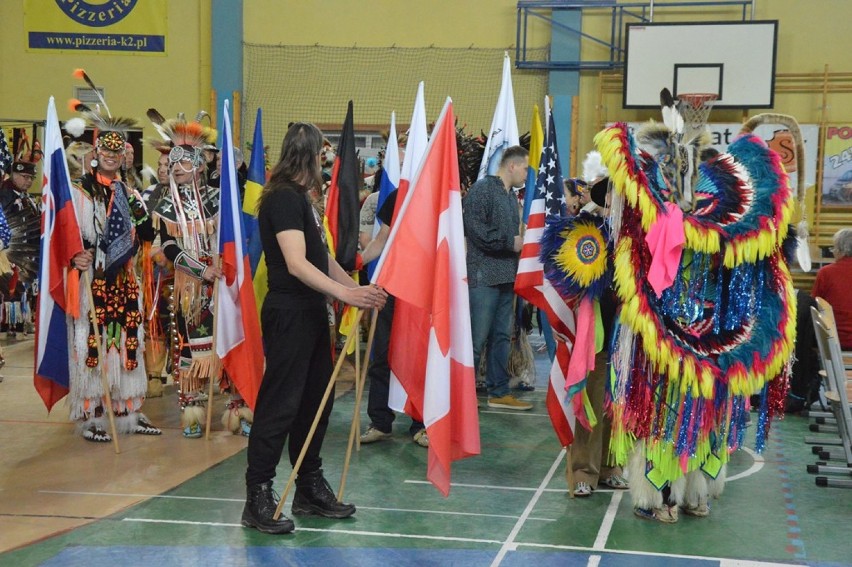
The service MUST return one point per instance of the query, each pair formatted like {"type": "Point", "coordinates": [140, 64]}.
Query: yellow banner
{"type": "Point", "coordinates": [103, 26]}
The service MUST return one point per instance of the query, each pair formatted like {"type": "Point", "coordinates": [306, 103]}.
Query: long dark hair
{"type": "Point", "coordinates": [298, 166]}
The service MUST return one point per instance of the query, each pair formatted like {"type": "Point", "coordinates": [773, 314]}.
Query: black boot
{"type": "Point", "coordinates": [314, 496]}
{"type": "Point", "coordinates": [261, 503]}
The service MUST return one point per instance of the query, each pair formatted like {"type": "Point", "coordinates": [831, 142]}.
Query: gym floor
{"type": "Point", "coordinates": [166, 499]}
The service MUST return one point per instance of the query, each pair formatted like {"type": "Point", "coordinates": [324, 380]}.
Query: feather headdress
{"type": "Point", "coordinates": [178, 132]}
{"type": "Point", "coordinates": [111, 130]}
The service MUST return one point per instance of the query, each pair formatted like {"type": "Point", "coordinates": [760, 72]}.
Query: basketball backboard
{"type": "Point", "coordinates": [734, 60]}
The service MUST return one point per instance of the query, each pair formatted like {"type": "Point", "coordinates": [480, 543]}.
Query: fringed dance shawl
{"type": "Point", "coordinates": [698, 337]}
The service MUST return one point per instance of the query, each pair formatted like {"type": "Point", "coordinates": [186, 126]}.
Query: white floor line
{"type": "Point", "coordinates": [723, 561]}
{"type": "Point", "coordinates": [594, 561]}
{"type": "Point", "coordinates": [498, 487]}
{"type": "Point", "coordinates": [453, 513]}
{"type": "Point", "coordinates": [132, 495]}
{"type": "Point", "coordinates": [755, 467]}
{"type": "Point", "coordinates": [319, 530]}
{"type": "Point", "coordinates": [609, 518]}
{"type": "Point", "coordinates": [241, 500]}
{"type": "Point", "coordinates": [509, 544]}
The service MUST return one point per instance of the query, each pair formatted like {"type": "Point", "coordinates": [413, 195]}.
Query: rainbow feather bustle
{"type": "Point", "coordinates": [686, 363]}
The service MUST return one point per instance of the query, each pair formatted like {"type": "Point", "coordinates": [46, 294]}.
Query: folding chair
{"type": "Point", "coordinates": [836, 385]}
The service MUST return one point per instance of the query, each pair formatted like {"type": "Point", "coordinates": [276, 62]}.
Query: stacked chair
{"type": "Point", "coordinates": [837, 389]}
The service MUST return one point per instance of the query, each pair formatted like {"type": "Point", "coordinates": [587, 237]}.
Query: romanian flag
{"type": "Point", "coordinates": [238, 342]}
{"type": "Point", "coordinates": [536, 143]}
{"type": "Point", "coordinates": [60, 242]}
{"type": "Point", "coordinates": [254, 186]}
{"type": "Point", "coordinates": [423, 266]}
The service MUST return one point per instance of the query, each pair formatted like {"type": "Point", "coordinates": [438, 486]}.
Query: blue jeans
{"type": "Point", "coordinates": [491, 323]}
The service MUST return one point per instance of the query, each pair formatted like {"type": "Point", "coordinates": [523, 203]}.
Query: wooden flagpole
{"type": "Point", "coordinates": [209, 415]}
{"type": "Point", "coordinates": [313, 429]}
{"type": "Point", "coordinates": [569, 470]}
{"type": "Point", "coordinates": [353, 431]}
{"type": "Point", "coordinates": [93, 317]}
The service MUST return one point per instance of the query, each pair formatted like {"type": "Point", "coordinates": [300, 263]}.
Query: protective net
{"type": "Point", "coordinates": [314, 83]}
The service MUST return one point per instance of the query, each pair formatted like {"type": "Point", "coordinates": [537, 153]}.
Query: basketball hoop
{"type": "Point", "coordinates": [695, 108]}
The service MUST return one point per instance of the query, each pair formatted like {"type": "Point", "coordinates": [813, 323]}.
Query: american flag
{"type": "Point", "coordinates": [530, 283]}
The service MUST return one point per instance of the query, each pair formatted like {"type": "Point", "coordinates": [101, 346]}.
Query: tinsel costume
{"type": "Point", "coordinates": [707, 324]}
{"type": "Point", "coordinates": [112, 221]}
{"type": "Point", "coordinates": [188, 218]}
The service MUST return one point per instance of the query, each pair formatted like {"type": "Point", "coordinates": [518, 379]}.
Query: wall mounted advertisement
{"type": "Point", "coordinates": [104, 26]}
{"type": "Point", "coordinates": [837, 165]}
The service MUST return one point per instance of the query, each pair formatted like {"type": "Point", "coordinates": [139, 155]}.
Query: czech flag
{"type": "Point", "coordinates": [238, 342]}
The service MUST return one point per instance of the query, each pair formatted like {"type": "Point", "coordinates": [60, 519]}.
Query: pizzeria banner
{"type": "Point", "coordinates": [837, 165]}
{"type": "Point", "coordinates": [105, 26]}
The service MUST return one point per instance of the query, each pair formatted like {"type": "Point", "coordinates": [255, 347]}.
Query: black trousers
{"type": "Point", "coordinates": [381, 416]}
{"type": "Point", "coordinates": [298, 369]}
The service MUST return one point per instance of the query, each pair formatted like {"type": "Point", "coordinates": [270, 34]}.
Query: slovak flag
{"type": "Point", "coordinates": [238, 342]}
{"type": "Point", "coordinates": [60, 242]}
{"type": "Point", "coordinates": [423, 266]}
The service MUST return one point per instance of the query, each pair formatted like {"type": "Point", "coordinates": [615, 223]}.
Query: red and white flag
{"type": "Point", "coordinates": [404, 314]}
{"type": "Point", "coordinates": [423, 265]}
{"type": "Point", "coordinates": [530, 283]}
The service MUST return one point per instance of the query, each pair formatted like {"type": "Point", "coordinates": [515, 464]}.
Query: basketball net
{"type": "Point", "coordinates": [694, 108]}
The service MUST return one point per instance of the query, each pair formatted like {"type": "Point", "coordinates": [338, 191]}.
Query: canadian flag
{"type": "Point", "coordinates": [423, 266]}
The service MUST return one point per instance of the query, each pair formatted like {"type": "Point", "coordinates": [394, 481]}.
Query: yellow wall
{"type": "Point", "coordinates": [381, 23]}
{"type": "Point", "coordinates": [811, 34]}
{"type": "Point", "coordinates": [176, 82]}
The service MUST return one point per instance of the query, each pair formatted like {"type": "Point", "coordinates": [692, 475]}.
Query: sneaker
{"type": "Point", "coordinates": [665, 515]}
{"type": "Point", "coordinates": [700, 510]}
{"type": "Point", "coordinates": [509, 402]}
{"type": "Point", "coordinates": [372, 435]}
{"type": "Point", "coordinates": [524, 386]}
{"type": "Point", "coordinates": [617, 482]}
{"type": "Point", "coordinates": [421, 438]}
{"type": "Point", "coordinates": [245, 427]}
{"type": "Point", "coordinates": [582, 489]}
{"type": "Point", "coordinates": [192, 431]}
{"type": "Point", "coordinates": [481, 387]}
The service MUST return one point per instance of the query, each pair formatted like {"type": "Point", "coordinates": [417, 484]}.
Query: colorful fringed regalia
{"type": "Point", "coordinates": [707, 324]}
{"type": "Point", "coordinates": [188, 218]}
{"type": "Point", "coordinates": [112, 221]}
{"type": "Point", "coordinates": [576, 259]}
